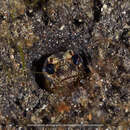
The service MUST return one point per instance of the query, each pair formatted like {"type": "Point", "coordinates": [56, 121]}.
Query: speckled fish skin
{"type": "Point", "coordinates": [66, 72]}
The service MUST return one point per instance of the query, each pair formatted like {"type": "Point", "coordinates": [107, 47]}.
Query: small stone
{"type": "Point", "coordinates": [104, 6]}
{"type": "Point", "coordinates": [62, 27]}
{"type": "Point", "coordinates": [90, 116]}
{"type": "Point", "coordinates": [35, 119]}
{"type": "Point", "coordinates": [12, 57]}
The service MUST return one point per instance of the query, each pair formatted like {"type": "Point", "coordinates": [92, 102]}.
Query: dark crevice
{"type": "Point", "coordinates": [45, 18]}
{"type": "Point", "coordinates": [86, 60]}
{"type": "Point", "coordinates": [1, 18]}
{"type": "Point", "coordinates": [112, 90]}
{"type": "Point", "coordinates": [37, 71]}
{"type": "Point", "coordinates": [77, 22]}
{"type": "Point", "coordinates": [124, 38]}
{"type": "Point", "coordinates": [18, 103]}
{"type": "Point", "coordinates": [104, 108]}
{"type": "Point", "coordinates": [97, 10]}
{"type": "Point", "coordinates": [46, 120]}
{"type": "Point", "coordinates": [14, 122]}
{"type": "Point", "coordinates": [36, 5]}
{"type": "Point", "coordinates": [29, 13]}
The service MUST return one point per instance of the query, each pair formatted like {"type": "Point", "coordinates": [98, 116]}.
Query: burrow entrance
{"type": "Point", "coordinates": [37, 67]}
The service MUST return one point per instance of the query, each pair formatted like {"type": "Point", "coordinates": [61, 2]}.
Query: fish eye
{"type": "Point", "coordinates": [76, 59]}
{"type": "Point", "coordinates": [70, 52]}
{"type": "Point", "coordinates": [50, 69]}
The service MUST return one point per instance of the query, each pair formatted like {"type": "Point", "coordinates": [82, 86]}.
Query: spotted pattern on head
{"type": "Point", "coordinates": [63, 69]}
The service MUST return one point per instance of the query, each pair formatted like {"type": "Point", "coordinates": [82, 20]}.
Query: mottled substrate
{"type": "Point", "coordinates": [100, 28]}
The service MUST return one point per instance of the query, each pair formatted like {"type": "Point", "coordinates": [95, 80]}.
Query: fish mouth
{"type": "Point", "coordinates": [69, 77]}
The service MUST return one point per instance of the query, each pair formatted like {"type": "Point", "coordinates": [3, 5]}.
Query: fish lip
{"type": "Point", "coordinates": [69, 77]}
